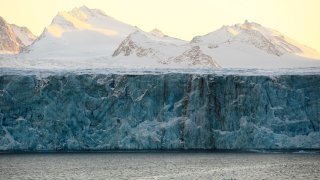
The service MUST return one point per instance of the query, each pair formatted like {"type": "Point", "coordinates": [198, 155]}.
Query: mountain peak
{"type": "Point", "coordinates": [79, 32]}
{"type": "Point", "coordinates": [82, 13]}
{"type": "Point", "coordinates": [23, 34]}
{"type": "Point", "coordinates": [249, 25]}
{"type": "Point", "coordinates": [9, 44]}
{"type": "Point", "coordinates": [255, 35]}
{"type": "Point", "coordinates": [84, 8]}
{"type": "Point", "coordinates": [87, 11]}
{"type": "Point", "coordinates": [13, 38]}
{"type": "Point", "coordinates": [156, 32]}
{"type": "Point", "coordinates": [79, 18]}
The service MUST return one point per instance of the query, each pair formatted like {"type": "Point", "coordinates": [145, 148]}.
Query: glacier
{"type": "Point", "coordinates": [162, 111]}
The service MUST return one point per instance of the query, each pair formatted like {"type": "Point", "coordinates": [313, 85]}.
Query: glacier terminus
{"type": "Point", "coordinates": [162, 111]}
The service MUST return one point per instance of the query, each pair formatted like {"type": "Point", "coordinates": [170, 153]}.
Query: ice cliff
{"type": "Point", "coordinates": [162, 111]}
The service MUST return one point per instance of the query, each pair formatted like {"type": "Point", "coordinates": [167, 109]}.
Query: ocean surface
{"type": "Point", "coordinates": [161, 165]}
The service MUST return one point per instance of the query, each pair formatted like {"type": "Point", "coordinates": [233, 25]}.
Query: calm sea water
{"type": "Point", "coordinates": [160, 166]}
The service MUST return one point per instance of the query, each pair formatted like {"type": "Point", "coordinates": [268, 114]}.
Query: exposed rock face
{"type": "Point", "coordinates": [195, 56]}
{"type": "Point", "coordinates": [13, 38]}
{"type": "Point", "coordinates": [23, 34]}
{"type": "Point", "coordinates": [164, 49]}
{"type": "Point", "coordinates": [9, 43]}
{"type": "Point", "coordinates": [129, 47]}
{"type": "Point", "coordinates": [165, 111]}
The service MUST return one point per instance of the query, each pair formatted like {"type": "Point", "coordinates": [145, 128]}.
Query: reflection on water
{"type": "Point", "coordinates": [160, 166]}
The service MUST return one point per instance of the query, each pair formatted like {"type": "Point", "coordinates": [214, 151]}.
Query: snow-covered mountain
{"type": "Point", "coordinates": [79, 33]}
{"type": "Point", "coordinates": [154, 44]}
{"type": "Point", "coordinates": [252, 45]}
{"type": "Point", "coordinates": [247, 45]}
{"type": "Point", "coordinates": [23, 34]}
{"type": "Point", "coordinates": [88, 38]}
{"type": "Point", "coordinates": [13, 38]}
{"type": "Point", "coordinates": [160, 48]}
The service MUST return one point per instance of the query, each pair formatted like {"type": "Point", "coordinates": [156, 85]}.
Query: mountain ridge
{"type": "Point", "coordinates": [14, 38]}
{"type": "Point", "coordinates": [89, 37]}
{"type": "Point", "coordinates": [267, 39]}
{"type": "Point", "coordinates": [164, 49]}
{"type": "Point", "coordinates": [81, 32]}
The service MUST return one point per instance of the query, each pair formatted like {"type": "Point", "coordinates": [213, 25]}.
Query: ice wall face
{"type": "Point", "coordinates": [167, 111]}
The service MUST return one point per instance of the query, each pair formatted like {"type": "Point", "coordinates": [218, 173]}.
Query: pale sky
{"type": "Point", "coordinates": [184, 19]}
